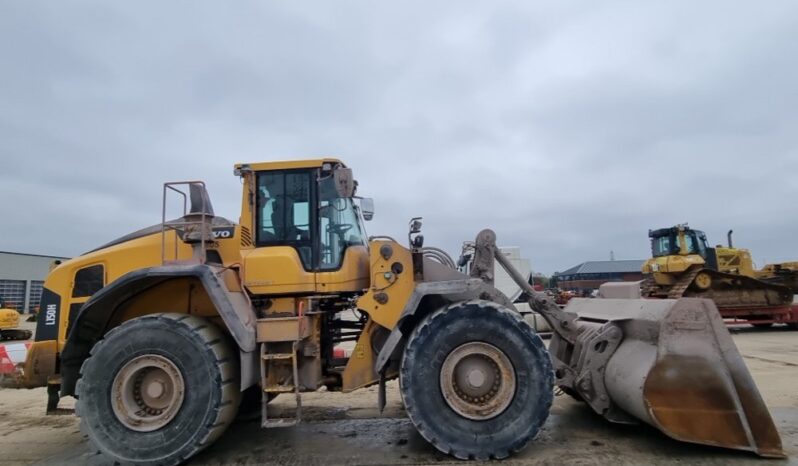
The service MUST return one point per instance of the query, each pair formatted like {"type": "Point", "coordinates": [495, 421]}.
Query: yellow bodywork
{"type": "Point", "coordinates": [287, 164]}
{"type": "Point", "coordinates": [666, 269]}
{"type": "Point", "coordinates": [278, 270]}
{"type": "Point", "coordinates": [274, 271]}
{"type": "Point", "coordinates": [735, 260]}
{"type": "Point", "coordinates": [772, 270]}
{"type": "Point", "coordinates": [119, 259]}
{"type": "Point", "coordinates": [285, 313]}
{"type": "Point", "coordinates": [394, 291]}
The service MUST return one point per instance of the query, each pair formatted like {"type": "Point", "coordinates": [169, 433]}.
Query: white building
{"type": "Point", "coordinates": [22, 277]}
{"type": "Point", "coordinates": [502, 280]}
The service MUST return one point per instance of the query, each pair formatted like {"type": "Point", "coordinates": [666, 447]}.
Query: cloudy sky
{"type": "Point", "coordinates": [569, 128]}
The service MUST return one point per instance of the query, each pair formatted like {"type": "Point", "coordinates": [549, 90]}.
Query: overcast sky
{"type": "Point", "coordinates": [569, 128]}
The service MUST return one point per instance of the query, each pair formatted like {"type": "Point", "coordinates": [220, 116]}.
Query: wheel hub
{"type": "Point", "coordinates": [477, 381]}
{"type": "Point", "coordinates": [147, 393]}
{"type": "Point", "coordinates": [703, 281]}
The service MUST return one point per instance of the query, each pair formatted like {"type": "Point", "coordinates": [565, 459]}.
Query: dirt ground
{"type": "Point", "coordinates": [347, 429]}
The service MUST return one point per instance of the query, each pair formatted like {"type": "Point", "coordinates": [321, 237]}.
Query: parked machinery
{"type": "Point", "coordinates": [162, 333]}
{"type": "Point", "coordinates": [684, 265]}
{"type": "Point", "coordinates": [9, 323]}
{"type": "Point", "coordinates": [785, 273]}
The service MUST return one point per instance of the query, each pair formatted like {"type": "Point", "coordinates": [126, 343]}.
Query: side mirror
{"type": "Point", "coordinates": [344, 182]}
{"type": "Point", "coordinates": [367, 208]}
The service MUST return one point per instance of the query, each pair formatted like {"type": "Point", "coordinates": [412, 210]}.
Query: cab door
{"type": "Point", "coordinates": [285, 254]}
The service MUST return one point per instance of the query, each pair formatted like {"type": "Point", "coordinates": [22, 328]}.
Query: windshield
{"type": "Point", "coordinates": [699, 243]}
{"type": "Point", "coordinates": [667, 245]}
{"type": "Point", "coordinates": [339, 224]}
{"type": "Point", "coordinates": [696, 243]}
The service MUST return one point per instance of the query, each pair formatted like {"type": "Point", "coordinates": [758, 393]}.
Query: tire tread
{"type": "Point", "coordinates": [411, 353]}
{"type": "Point", "coordinates": [210, 336]}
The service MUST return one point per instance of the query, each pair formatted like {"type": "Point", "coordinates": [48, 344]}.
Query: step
{"type": "Point", "coordinates": [270, 356]}
{"type": "Point", "coordinates": [279, 422]}
{"type": "Point", "coordinates": [280, 389]}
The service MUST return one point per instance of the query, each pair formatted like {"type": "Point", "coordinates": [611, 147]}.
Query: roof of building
{"type": "Point", "coordinates": [625, 266]}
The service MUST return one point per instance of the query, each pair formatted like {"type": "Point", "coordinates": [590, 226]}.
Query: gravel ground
{"type": "Point", "coordinates": [347, 428]}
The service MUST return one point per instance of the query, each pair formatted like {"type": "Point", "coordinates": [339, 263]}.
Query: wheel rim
{"type": "Point", "coordinates": [477, 381]}
{"type": "Point", "coordinates": [703, 281]}
{"type": "Point", "coordinates": [147, 393]}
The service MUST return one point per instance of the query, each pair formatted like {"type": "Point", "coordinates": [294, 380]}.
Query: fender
{"type": "Point", "coordinates": [92, 322]}
{"type": "Point", "coordinates": [450, 291]}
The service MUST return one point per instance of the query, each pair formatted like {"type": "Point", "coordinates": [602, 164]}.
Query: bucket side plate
{"type": "Point", "coordinates": [699, 390]}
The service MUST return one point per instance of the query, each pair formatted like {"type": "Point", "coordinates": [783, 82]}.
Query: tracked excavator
{"type": "Point", "coordinates": [165, 334]}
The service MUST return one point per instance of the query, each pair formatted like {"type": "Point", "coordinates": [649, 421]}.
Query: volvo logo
{"type": "Point", "coordinates": [223, 233]}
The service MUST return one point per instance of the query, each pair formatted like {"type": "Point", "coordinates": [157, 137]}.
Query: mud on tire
{"type": "Point", "coordinates": [426, 353]}
{"type": "Point", "coordinates": [209, 368]}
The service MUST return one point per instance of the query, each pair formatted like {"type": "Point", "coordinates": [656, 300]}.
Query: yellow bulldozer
{"type": "Point", "coordinates": [683, 264]}
{"type": "Point", "coordinates": [164, 335]}
{"type": "Point", "coordinates": [9, 323]}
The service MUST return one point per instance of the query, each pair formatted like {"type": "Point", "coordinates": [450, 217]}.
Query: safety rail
{"type": "Point", "coordinates": [187, 222]}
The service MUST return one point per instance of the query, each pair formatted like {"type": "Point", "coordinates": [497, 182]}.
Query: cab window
{"type": "Point", "coordinates": [88, 281]}
{"type": "Point", "coordinates": [283, 213]}
{"type": "Point", "coordinates": [663, 246]}
{"type": "Point", "coordinates": [339, 224]}
{"type": "Point", "coordinates": [689, 238]}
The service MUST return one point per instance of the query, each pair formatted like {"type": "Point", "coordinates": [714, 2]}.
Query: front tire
{"type": "Point", "coordinates": [158, 389]}
{"type": "Point", "coordinates": [476, 380]}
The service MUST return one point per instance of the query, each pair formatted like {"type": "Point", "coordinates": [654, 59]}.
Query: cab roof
{"type": "Point", "coordinates": [288, 164]}
{"type": "Point", "coordinates": [671, 231]}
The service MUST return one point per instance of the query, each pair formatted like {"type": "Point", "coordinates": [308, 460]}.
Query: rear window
{"type": "Point", "coordinates": [88, 281]}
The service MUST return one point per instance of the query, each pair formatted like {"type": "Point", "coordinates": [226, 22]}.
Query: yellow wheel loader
{"type": "Point", "coordinates": [683, 264]}
{"type": "Point", "coordinates": [161, 334]}
{"type": "Point", "coordinates": [9, 321]}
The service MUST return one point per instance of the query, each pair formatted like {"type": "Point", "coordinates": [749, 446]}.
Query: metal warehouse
{"type": "Point", "coordinates": [589, 275]}
{"type": "Point", "coordinates": [21, 278]}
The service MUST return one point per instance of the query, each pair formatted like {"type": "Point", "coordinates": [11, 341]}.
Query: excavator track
{"type": "Point", "coordinates": [681, 286]}
{"type": "Point", "coordinates": [732, 291]}
{"type": "Point", "coordinates": [650, 289]}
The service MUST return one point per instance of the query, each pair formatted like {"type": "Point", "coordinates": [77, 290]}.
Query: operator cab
{"type": "Point", "coordinates": [293, 210]}
{"type": "Point", "coordinates": [668, 242]}
{"type": "Point", "coordinates": [305, 222]}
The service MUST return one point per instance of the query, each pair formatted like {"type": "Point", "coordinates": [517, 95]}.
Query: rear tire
{"type": "Point", "coordinates": [467, 423]}
{"type": "Point", "coordinates": [763, 325]}
{"type": "Point", "coordinates": [202, 364]}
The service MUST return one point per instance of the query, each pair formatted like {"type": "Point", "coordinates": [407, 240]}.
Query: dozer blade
{"type": "Point", "coordinates": [676, 368]}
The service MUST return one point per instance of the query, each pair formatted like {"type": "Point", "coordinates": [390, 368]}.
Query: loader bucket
{"type": "Point", "coordinates": [678, 369]}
